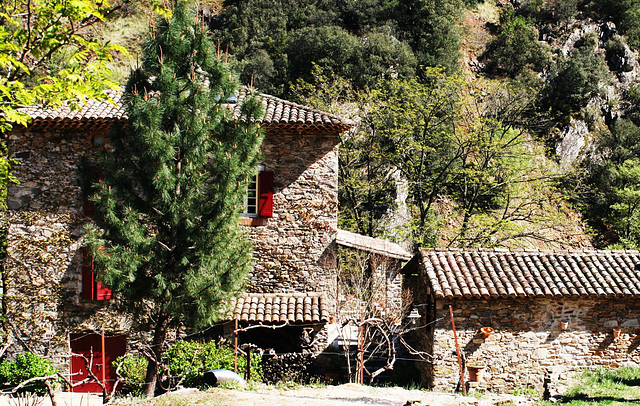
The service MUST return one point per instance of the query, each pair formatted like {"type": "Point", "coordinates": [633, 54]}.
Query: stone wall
{"type": "Point", "coordinates": [295, 250]}
{"type": "Point", "coordinates": [42, 273]}
{"type": "Point", "coordinates": [531, 338]}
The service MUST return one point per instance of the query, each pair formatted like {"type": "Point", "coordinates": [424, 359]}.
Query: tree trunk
{"type": "Point", "coordinates": [159, 337]}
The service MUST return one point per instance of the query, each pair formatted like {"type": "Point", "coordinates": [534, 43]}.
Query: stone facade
{"type": "Point", "coordinates": [532, 338]}
{"type": "Point", "coordinates": [42, 278]}
{"type": "Point", "coordinates": [294, 250]}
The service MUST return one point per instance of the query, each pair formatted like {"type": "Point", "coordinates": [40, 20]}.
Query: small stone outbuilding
{"type": "Point", "coordinates": [521, 315]}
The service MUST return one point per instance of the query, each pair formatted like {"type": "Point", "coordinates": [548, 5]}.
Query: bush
{"type": "Point", "coordinates": [191, 360]}
{"type": "Point", "coordinates": [26, 366]}
{"type": "Point", "coordinates": [517, 49]}
{"type": "Point", "coordinates": [574, 81]}
{"type": "Point", "coordinates": [133, 370]}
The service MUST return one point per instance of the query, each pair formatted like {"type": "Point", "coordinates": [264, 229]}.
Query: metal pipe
{"type": "Point", "coordinates": [104, 362]}
{"type": "Point", "coordinates": [235, 353]}
{"type": "Point", "coordinates": [455, 337]}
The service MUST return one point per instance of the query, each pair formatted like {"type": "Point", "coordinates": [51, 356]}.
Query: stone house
{"type": "Point", "coordinates": [521, 315]}
{"type": "Point", "coordinates": [51, 299]}
{"type": "Point", "coordinates": [381, 261]}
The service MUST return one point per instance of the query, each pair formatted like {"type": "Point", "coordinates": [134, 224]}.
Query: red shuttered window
{"type": "Point", "coordinates": [258, 200]}
{"type": "Point", "coordinates": [265, 191]}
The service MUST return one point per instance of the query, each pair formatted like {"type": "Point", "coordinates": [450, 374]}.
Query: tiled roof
{"type": "Point", "coordinates": [280, 114]}
{"type": "Point", "coordinates": [92, 114]}
{"type": "Point", "coordinates": [280, 308]}
{"type": "Point", "coordinates": [460, 273]}
{"type": "Point", "coordinates": [373, 245]}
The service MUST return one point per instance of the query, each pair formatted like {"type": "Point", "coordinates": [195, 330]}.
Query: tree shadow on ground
{"type": "Point", "coordinates": [595, 399]}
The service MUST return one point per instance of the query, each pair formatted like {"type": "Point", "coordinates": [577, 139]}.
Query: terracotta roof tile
{"type": "Point", "coordinates": [482, 273]}
{"type": "Point", "coordinates": [280, 308]}
{"type": "Point", "coordinates": [279, 114]}
{"type": "Point", "coordinates": [373, 245]}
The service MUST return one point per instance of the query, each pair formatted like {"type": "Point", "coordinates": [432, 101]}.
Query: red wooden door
{"type": "Point", "coordinates": [90, 345]}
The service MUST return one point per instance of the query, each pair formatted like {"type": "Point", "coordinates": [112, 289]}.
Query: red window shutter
{"type": "Point", "coordinates": [265, 188]}
{"type": "Point", "coordinates": [88, 277]}
{"type": "Point", "coordinates": [102, 292]}
{"type": "Point", "coordinates": [91, 288]}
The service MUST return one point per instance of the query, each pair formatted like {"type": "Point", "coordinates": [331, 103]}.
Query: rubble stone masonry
{"type": "Point", "coordinates": [42, 276]}
{"type": "Point", "coordinates": [532, 338]}
{"type": "Point", "coordinates": [294, 250]}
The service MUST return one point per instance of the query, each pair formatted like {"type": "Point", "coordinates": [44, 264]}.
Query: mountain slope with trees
{"type": "Point", "coordinates": [534, 144]}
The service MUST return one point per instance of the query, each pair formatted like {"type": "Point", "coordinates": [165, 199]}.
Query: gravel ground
{"type": "Point", "coordinates": [343, 395]}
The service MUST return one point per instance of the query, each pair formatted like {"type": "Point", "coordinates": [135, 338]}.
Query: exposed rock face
{"type": "Point", "coordinates": [572, 142]}
{"type": "Point", "coordinates": [604, 109]}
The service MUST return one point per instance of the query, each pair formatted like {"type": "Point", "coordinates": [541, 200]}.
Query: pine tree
{"type": "Point", "coordinates": [166, 237]}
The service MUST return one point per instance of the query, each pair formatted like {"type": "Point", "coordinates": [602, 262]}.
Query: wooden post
{"type": "Point", "coordinates": [361, 347]}
{"type": "Point", "coordinates": [235, 346]}
{"type": "Point", "coordinates": [455, 337]}
{"type": "Point", "coordinates": [104, 361]}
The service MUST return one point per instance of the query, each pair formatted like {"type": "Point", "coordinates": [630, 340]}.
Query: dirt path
{"type": "Point", "coordinates": [343, 395]}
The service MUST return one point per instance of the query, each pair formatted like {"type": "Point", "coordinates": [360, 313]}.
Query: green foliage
{"type": "Point", "coordinates": [30, 37]}
{"type": "Point", "coordinates": [277, 42]}
{"type": "Point", "coordinates": [604, 386]}
{"type": "Point", "coordinates": [365, 190]}
{"type": "Point", "coordinates": [416, 123]}
{"type": "Point", "coordinates": [445, 141]}
{"type": "Point", "coordinates": [625, 209]}
{"type": "Point", "coordinates": [517, 47]}
{"type": "Point", "coordinates": [624, 13]}
{"type": "Point", "coordinates": [633, 113]}
{"type": "Point", "coordinates": [187, 361]}
{"type": "Point", "coordinates": [529, 392]}
{"type": "Point", "coordinates": [610, 185]}
{"type": "Point", "coordinates": [26, 366]}
{"type": "Point", "coordinates": [432, 29]}
{"type": "Point", "coordinates": [550, 11]}
{"type": "Point", "coordinates": [615, 54]}
{"type": "Point", "coordinates": [166, 237]}
{"type": "Point", "coordinates": [575, 80]}
{"type": "Point", "coordinates": [133, 370]}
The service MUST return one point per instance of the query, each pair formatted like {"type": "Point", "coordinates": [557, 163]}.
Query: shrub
{"type": "Point", "coordinates": [190, 360]}
{"type": "Point", "coordinates": [133, 370]}
{"type": "Point", "coordinates": [517, 48]}
{"type": "Point", "coordinates": [26, 366]}
{"type": "Point", "coordinates": [577, 79]}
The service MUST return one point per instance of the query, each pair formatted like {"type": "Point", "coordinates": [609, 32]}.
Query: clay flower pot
{"type": "Point", "coordinates": [616, 332]}
{"type": "Point", "coordinates": [475, 372]}
{"type": "Point", "coordinates": [486, 332]}
{"type": "Point", "coordinates": [564, 325]}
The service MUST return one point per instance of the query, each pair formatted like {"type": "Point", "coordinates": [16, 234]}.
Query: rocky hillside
{"type": "Point", "coordinates": [538, 142]}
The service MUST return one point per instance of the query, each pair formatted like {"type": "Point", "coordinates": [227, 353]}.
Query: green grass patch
{"type": "Point", "coordinates": [611, 387]}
